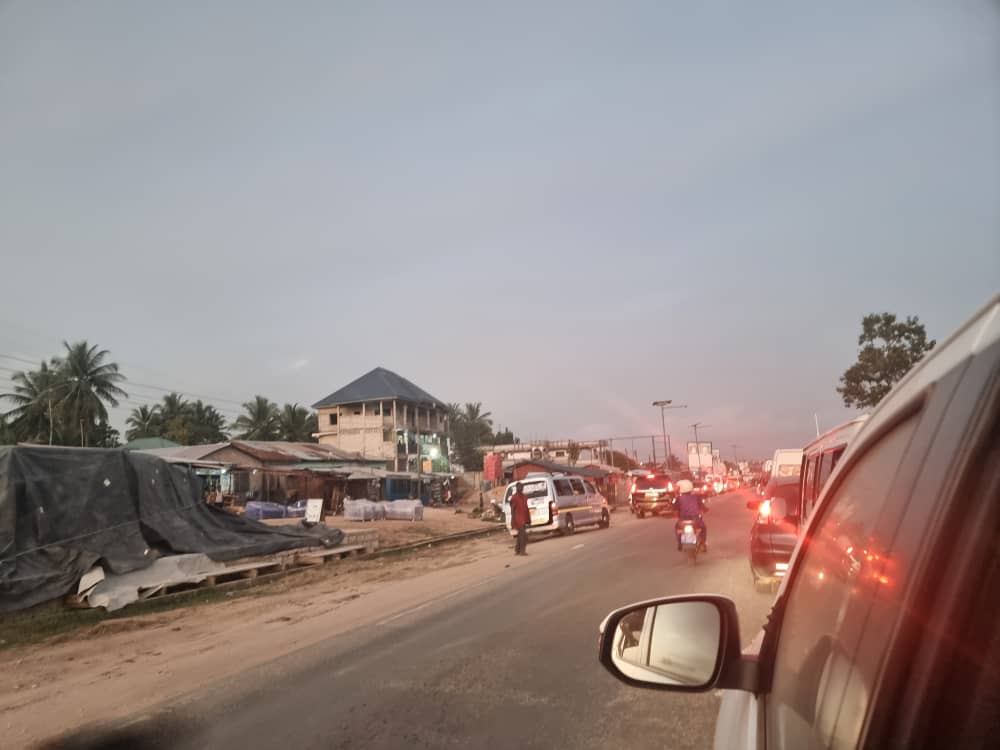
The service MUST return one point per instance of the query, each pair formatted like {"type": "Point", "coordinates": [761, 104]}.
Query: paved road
{"type": "Point", "coordinates": [510, 663]}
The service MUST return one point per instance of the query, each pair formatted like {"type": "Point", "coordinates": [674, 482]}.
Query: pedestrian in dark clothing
{"type": "Point", "coordinates": [520, 517]}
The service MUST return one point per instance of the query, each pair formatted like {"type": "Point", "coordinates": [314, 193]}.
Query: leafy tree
{"type": "Point", "coordinates": [6, 432]}
{"type": "Point", "coordinates": [297, 424]}
{"type": "Point", "coordinates": [674, 463]}
{"type": "Point", "coordinates": [888, 349]}
{"type": "Point", "coordinates": [505, 437]}
{"type": "Point", "coordinates": [104, 435]}
{"type": "Point", "coordinates": [91, 384]}
{"type": "Point", "coordinates": [144, 421]}
{"type": "Point", "coordinates": [259, 422]}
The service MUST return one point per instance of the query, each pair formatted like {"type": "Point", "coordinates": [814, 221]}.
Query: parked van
{"type": "Point", "coordinates": [560, 502]}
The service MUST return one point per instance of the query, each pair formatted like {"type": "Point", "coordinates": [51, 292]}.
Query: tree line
{"type": "Point", "coordinates": [65, 401]}
{"type": "Point", "coordinates": [470, 427]}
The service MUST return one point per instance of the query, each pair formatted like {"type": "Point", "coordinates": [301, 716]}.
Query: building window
{"type": "Point", "coordinates": [333, 419]}
{"type": "Point", "coordinates": [386, 436]}
{"type": "Point", "coordinates": [377, 408]}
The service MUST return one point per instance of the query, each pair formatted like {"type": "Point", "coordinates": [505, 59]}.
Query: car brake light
{"type": "Point", "coordinates": [765, 509]}
{"type": "Point", "coordinates": [651, 476]}
{"type": "Point", "coordinates": [553, 509]}
{"type": "Point", "coordinates": [670, 486]}
{"type": "Point", "coordinates": [634, 485]}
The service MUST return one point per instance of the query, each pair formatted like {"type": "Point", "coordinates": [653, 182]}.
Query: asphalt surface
{"type": "Point", "coordinates": [511, 663]}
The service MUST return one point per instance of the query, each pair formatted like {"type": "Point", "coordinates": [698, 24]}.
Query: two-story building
{"type": "Point", "coordinates": [384, 415]}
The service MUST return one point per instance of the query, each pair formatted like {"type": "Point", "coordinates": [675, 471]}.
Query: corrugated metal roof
{"type": "Point", "coordinates": [376, 385]}
{"type": "Point", "coordinates": [268, 451]}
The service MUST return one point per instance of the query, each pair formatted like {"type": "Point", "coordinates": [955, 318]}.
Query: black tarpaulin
{"type": "Point", "coordinates": [62, 510]}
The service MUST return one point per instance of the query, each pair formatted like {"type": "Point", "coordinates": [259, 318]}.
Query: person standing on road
{"type": "Point", "coordinates": [520, 517]}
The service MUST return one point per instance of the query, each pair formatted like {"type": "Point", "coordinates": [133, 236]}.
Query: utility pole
{"type": "Point", "coordinates": [664, 405]}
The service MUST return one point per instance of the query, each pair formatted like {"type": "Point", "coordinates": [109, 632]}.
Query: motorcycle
{"type": "Point", "coordinates": [691, 539]}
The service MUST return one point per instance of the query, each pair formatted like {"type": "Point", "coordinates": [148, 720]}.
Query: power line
{"type": "Point", "coordinates": [134, 383]}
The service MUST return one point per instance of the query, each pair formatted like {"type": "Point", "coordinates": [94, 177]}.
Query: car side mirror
{"type": "Point", "coordinates": [680, 643]}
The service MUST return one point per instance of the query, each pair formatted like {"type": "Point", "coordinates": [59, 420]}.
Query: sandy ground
{"type": "Point", "coordinates": [123, 666]}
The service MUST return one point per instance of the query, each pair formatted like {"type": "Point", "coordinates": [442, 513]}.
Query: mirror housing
{"type": "Point", "coordinates": [713, 658]}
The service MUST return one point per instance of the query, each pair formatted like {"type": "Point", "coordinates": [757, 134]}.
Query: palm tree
{"type": "Point", "coordinates": [478, 423]}
{"type": "Point", "coordinates": [144, 421]}
{"type": "Point", "coordinates": [205, 423]}
{"type": "Point", "coordinates": [37, 399]}
{"type": "Point", "coordinates": [92, 382]}
{"type": "Point", "coordinates": [260, 422]}
{"type": "Point", "coordinates": [297, 424]}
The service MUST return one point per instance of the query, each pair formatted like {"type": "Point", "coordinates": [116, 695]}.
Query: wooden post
{"type": "Point", "coordinates": [364, 420]}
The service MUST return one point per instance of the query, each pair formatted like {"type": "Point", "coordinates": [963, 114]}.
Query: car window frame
{"type": "Point", "coordinates": [578, 486]}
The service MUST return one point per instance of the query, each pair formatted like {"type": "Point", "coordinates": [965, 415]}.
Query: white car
{"type": "Point", "coordinates": [560, 502]}
{"type": "Point", "coordinates": [884, 631]}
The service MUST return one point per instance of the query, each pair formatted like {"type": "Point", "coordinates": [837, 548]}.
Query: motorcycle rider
{"type": "Point", "coordinates": [689, 508]}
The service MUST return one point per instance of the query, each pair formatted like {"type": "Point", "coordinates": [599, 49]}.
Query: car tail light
{"type": "Point", "coordinates": [670, 486]}
{"type": "Point", "coordinates": [634, 485]}
{"type": "Point", "coordinates": [764, 509]}
{"type": "Point", "coordinates": [651, 476]}
{"type": "Point", "coordinates": [553, 509]}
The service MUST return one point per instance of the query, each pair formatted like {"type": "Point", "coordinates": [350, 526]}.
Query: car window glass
{"type": "Point", "coordinates": [563, 487]}
{"type": "Point", "coordinates": [825, 469]}
{"type": "Point", "coordinates": [577, 487]}
{"type": "Point", "coordinates": [590, 488]}
{"type": "Point", "coordinates": [814, 676]}
{"type": "Point", "coordinates": [807, 485]}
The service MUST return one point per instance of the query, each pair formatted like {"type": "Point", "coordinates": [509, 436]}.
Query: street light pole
{"type": "Point", "coordinates": [664, 405]}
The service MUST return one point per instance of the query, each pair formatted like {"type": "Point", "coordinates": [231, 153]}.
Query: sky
{"type": "Point", "coordinates": [564, 210]}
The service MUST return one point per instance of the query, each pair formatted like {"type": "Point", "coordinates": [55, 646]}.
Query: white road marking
{"type": "Point", "coordinates": [576, 546]}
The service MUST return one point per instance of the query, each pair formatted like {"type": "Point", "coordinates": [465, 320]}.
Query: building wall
{"type": "Point", "coordinates": [372, 434]}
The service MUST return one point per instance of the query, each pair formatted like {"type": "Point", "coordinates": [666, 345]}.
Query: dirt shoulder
{"type": "Point", "coordinates": [436, 522]}
{"type": "Point", "coordinates": [121, 666]}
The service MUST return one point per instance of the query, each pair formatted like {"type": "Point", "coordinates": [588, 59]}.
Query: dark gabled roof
{"type": "Point", "coordinates": [379, 384]}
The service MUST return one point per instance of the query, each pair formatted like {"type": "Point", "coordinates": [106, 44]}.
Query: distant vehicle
{"type": "Point", "coordinates": [559, 502]}
{"type": "Point", "coordinates": [884, 632]}
{"type": "Point", "coordinates": [789, 502]}
{"type": "Point", "coordinates": [787, 462]}
{"type": "Point", "coordinates": [774, 532]}
{"type": "Point", "coordinates": [653, 494]}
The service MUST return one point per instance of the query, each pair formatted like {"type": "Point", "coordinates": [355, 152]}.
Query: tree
{"type": "Point", "coordinates": [470, 428]}
{"type": "Point", "coordinates": [505, 437]}
{"type": "Point", "coordinates": [204, 424]}
{"type": "Point", "coordinates": [6, 432]}
{"type": "Point", "coordinates": [91, 383]}
{"type": "Point", "coordinates": [37, 397]}
{"type": "Point", "coordinates": [572, 452]}
{"type": "Point", "coordinates": [888, 349]}
{"type": "Point", "coordinates": [259, 422]}
{"type": "Point", "coordinates": [297, 424]}
{"type": "Point", "coordinates": [143, 422]}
